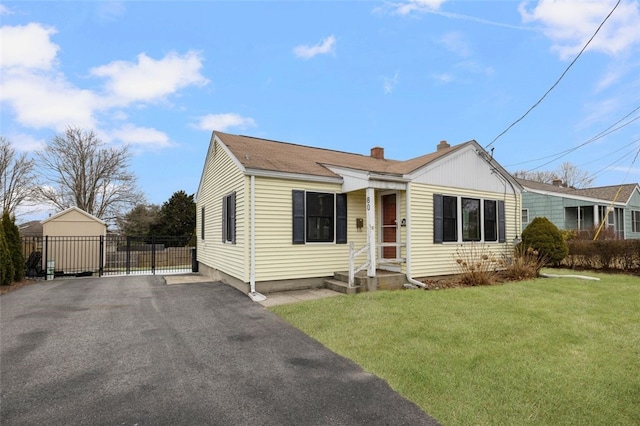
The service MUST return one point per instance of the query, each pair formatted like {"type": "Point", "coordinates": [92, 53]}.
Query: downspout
{"type": "Point", "coordinates": [410, 279]}
{"type": "Point", "coordinates": [253, 294]}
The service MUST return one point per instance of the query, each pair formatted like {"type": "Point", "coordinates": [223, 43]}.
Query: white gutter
{"type": "Point", "coordinates": [253, 294]}
{"type": "Point", "coordinates": [408, 240]}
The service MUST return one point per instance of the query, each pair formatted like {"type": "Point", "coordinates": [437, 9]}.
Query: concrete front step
{"type": "Point", "coordinates": [384, 280]}
{"type": "Point", "coordinates": [341, 286]}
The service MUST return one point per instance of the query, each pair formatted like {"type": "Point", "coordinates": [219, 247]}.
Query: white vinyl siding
{"type": "Point", "coordinates": [429, 259]}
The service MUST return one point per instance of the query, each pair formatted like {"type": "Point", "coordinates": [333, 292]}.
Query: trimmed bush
{"type": "Point", "coordinates": [544, 237]}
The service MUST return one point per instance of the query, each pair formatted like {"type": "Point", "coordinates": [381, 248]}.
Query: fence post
{"type": "Point", "coordinates": [153, 254]}
{"type": "Point", "coordinates": [46, 257]}
{"type": "Point", "coordinates": [101, 268]}
{"type": "Point", "coordinates": [128, 255]}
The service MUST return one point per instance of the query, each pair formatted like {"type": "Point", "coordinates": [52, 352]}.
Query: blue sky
{"type": "Point", "coordinates": [160, 76]}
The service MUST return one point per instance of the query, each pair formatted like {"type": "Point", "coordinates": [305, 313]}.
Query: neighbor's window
{"type": "Point", "coordinates": [525, 216]}
{"type": "Point", "coordinates": [319, 217]}
{"type": "Point", "coordinates": [635, 221]}
{"type": "Point", "coordinates": [229, 218]}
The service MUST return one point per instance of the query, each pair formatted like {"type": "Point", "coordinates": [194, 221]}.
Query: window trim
{"type": "Point", "coordinates": [635, 220]}
{"type": "Point", "coordinates": [439, 236]}
{"type": "Point", "coordinates": [229, 218]}
{"type": "Point", "coordinates": [300, 217]}
{"type": "Point", "coordinates": [202, 221]}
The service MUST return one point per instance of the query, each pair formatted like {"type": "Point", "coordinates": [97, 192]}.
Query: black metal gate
{"type": "Point", "coordinates": [51, 257]}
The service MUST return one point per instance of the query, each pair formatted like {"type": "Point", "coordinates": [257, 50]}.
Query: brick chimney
{"type": "Point", "coordinates": [443, 145]}
{"type": "Point", "coordinates": [377, 152]}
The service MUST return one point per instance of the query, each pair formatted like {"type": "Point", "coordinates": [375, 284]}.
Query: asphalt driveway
{"type": "Point", "coordinates": [135, 351]}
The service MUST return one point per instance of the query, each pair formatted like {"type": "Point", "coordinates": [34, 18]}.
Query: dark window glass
{"type": "Point", "coordinates": [490, 221]}
{"type": "Point", "coordinates": [320, 217]}
{"type": "Point", "coordinates": [202, 224]}
{"type": "Point", "coordinates": [470, 219]}
{"type": "Point", "coordinates": [450, 218]}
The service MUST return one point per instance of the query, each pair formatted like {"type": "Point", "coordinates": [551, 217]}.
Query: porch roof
{"type": "Point", "coordinates": [263, 154]}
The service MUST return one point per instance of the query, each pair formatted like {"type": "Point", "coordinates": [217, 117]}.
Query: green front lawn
{"type": "Point", "coordinates": [549, 351]}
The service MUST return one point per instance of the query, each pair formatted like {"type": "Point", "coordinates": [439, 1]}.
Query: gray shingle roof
{"type": "Point", "coordinates": [605, 193]}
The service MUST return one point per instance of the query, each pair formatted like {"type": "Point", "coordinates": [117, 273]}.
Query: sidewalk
{"type": "Point", "coordinates": [273, 299]}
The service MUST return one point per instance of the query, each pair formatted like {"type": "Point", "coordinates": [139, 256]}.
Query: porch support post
{"type": "Point", "coordinates": [371, 231]}
{"type": "Point", "coordinates": [596, 218]}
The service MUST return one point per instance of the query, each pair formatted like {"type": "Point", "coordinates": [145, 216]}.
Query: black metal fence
{"type": "Point", "coordinates": [51, 257]}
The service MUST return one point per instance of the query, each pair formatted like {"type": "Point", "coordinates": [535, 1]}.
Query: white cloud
{"type": "Point", "coordinates": [4, 10]}
{"type": "Point", "coordinates": [146, 136]}
{"type": "Point", "coordinates": [456, 43]}
{"type": "Point", "coordinates": [406, 8]}
{"type": "Point", "coordinates": [150, 79]}
{"type": "Point", "coordinates": [47, 100]}
{"type": "Point", "coordinates": [223, 122]}
{"type": "Point", "coordinates": [442, 78]}
{"type": "Point", "coordinates": [40, 96]}
{"type": "Point", "coordinates": [390, 83]}
{"type": "Point", "coordinates": [28, 46]}
{"type": "Point", "coordinates": [570, 23]}
{"type": "Point", "coordinates": [25, 142]}
{"type": "Point", "coordinates": [324, 47]}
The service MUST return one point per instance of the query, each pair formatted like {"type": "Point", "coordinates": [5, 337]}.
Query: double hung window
{"type": "Point", "coordinates": [319, 217]}
{"type": "Point", "coordinates": [229, 218]}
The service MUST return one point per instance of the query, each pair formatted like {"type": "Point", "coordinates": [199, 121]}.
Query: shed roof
{"type": "Point", "coordinates": [70, 209]}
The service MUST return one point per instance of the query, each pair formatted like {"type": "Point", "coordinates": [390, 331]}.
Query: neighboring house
{"type": "Point", "coordinates": [277, 216]}
{"type": "Point", "coordinates": [72, 240]}
{"type": "Point", "coordinates": [583, 209]}
{"type": "Point", "coordinates": [30, 229]}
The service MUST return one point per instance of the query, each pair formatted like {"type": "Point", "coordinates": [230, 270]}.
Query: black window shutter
{"type": "Point", "coordinates": [501, 222]}
{"type": "Point", "coordinates": [232, 217]}
{"type": "Point", "coordinates": [202, 224]}
{"type": "Point", "coordinates": [224, 219]}
{"type": "Point", "coordinates": [341, 218]}
{"type": "Point", "coordinates": [438, 231]}
{"type": "Point", "coordinates": [298, 216]}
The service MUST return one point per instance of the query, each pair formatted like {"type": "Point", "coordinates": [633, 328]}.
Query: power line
{"type": "Point", "coordinates": [600, 135]}
{"type": "Point", "coordinates": [557, 81]}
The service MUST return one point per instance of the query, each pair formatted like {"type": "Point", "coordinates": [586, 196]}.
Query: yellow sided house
{"type": "Point", "coordinates": [276, 216]}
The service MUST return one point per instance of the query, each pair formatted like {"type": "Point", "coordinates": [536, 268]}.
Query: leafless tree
{"type": "Point", "coordinates": [81, 171]}
{"type": "Point", "coordinates": [573, 177]}
{"type": "Point", "coordinates": [567, 173]}
{"type": "Point", "coordinates": [17, 177]}
{"type": "Point", "coordinates": [537, 176]}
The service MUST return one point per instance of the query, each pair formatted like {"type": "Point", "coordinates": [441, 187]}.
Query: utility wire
{"type": "Point", "coordinates": [600, 135]}
{"type": "Point", "coordinates": [557, 81]}
{"type": "Point", "coordinates": [564, 153]}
